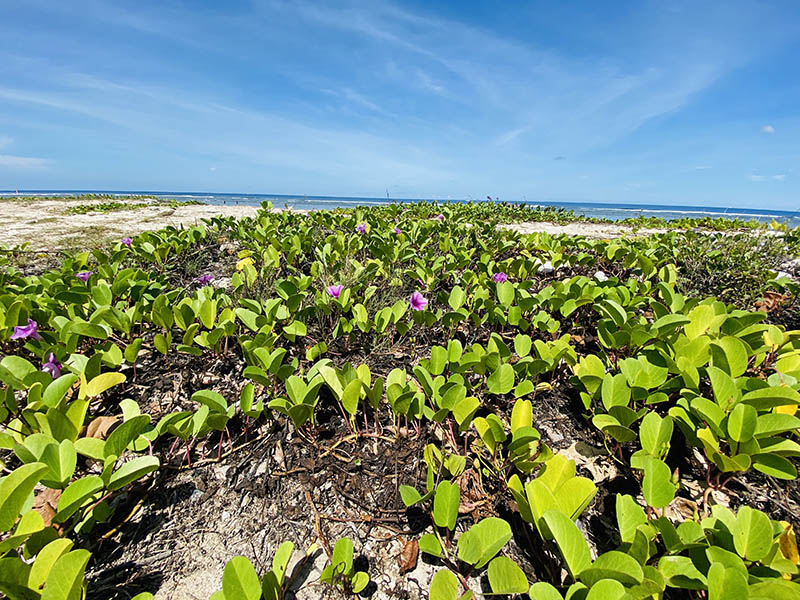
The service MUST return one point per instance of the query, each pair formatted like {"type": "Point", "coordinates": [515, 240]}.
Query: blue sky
{"type": "Point", "coordinates": [662, 102]}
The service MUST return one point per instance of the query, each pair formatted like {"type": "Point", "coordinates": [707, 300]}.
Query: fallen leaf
{"type": "Point", "coordinates": [46, 503]}
{"type": "Point", "coordinates": [100, 427]}
{"type": "Point", "coordinates": [408, 556]}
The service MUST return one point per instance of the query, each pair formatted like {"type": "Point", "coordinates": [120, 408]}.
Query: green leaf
{"type": "Point", "coordinates": [657, 485]}
{"type": "Point", "coordinates": [752, 534]}
{"type": "Point", "coordinates": [429, 544]}
{"type": "Point", "coordinates": [133, 470]}
{"type": "Point", "coordinates": [101, 383]}
{"type": "Point", "coordinates": [774, 465]}
{"type": "Point", "coordinates": [46, 559]}
{"type": "Point", "coordinates": [505, 293]}
{"type": "Point", "coordinates": [541, 590]}
{"type": "Point", "coordinates": [770, 397]}
{"type": "Point", "coordinates": [444, 586]}
{"type": "Point", "coordinates": [613, 565]}
{"type": "Point", "coordinates": [445, 505]}
{"type": "Point", "coordinates": [478, 545]}
{"type": "Point", "coordinates": [505, 577]}
{"type": "Point", "coordinates": [607, 589]}
{"type": "Point", "coordinates": [61, 460]}
{"type": "Point", "coordinates": [680, 572]}
{"type": "Point", "coordinates": [281, 560]}
{"type": "Point", "coordinates": [629, 517]}
{"type": "Point", "coordinates": [742, 422]}
{"type": "Point", "coordinates": [342, 558]}
{"type": "Point", "coordinates": [78, 493]}
{"type": "Point", "coordinates": [502, 380]}
{"type": "Point", "coordinates": [570, 541]}
{"type": "Point", "coordinates": [655, 434]}
{"type": "Point", "coordinates": [213, 400]}
{"type": "Point", "coordinates": [350, 396]}
{"type": "Point", "coordinates": [725, 583]}
{"type": "Point", "coordinates": [456, 298]}
{"type": "Point", "coordinates": [123, 435]}
{"type": "Point", "coordinates": [57, 389]}
{"type": "Point", "coordinates": [240, 580]}
{"type": "Point", "coordinates": [730, 355]}
{"type": "Point", "coordinates": [15, 489]}
{"type": "Point", "coordinates": [65, 581]}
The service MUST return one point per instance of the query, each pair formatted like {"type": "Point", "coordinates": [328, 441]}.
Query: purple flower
{"type": "Point", "coordinates": [439, 217]}
{"type": "Point", "coordinates": [127, 241]}
{"type": "Point", "coordinates": [500, 277]}
{"type": "Point", "coordinates": [204, 279]}
{"type": "Point", "coordinates": [335, 290]}
{"type": "Point", "coordinates": [52, 366]}
{"type": "Point", "coordinates": [418, 301]}
{"type": "Point", "coordinates": [84, 276]}
{"type": "Point", "coordinates": [397, 231]}
{"type": "Point", "coordinates": [361, 228]}
{"type": "Point", "coordinates": [21, 332]}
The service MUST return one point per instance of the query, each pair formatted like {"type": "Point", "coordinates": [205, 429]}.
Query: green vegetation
{"type": "Point", "coordinates": [654, 343]}
{"type": "Point", "coordinates": [113, 206]}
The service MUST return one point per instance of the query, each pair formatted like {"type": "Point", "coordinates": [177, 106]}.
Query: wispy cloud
{"type": "Point", "coordinates": [777, 177]}
{"type": "Point", "coordinates": [8, 161]}
{"type": "Point", "coordinates": [768, 129]}
{"type": "Point", "coordinates": [5, 141]}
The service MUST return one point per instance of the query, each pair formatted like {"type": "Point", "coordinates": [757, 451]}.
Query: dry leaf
{"type": "Point", "coordinates": [408, 556]}
{"type": "Point", "coordinates": [100, 427]}
{"type": "Point", "coordinates": [787, 543]}
{"type": "Point", "coordinates": [46, 503]}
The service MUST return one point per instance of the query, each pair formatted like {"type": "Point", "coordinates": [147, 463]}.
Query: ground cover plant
{"type": "Point", "coordinates": [449, 365]}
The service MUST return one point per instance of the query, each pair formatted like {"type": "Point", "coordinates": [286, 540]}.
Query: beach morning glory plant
{"type": "Point", "coordinates": [204, 279]}
{"type": "Point", "coordinates": [22, 332]}
{"type": "Point", "coordinates": [335, 290]}
{"type": "Point", "coordinates": [84, 276]}
{"type": "Point", "coordinates": [361, 228]}
{"type": "Point", "coordinates": [127, 241]}
{"type": "Point", "coordinates": [418, 301]}
{"type": "Point", "coordinates": [397, 231]}
{"type": "Point", "coordinates": [52, 366]}
{"type": "Point", "coordinates": [500, 277]}
{"type": "Point", "coordinates": [440, 217]}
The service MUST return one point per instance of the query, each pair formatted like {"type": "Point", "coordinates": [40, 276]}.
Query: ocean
{"type": "Point", "coordinates": [600, 210]}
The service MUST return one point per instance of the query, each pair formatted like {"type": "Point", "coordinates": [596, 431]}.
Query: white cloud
{"type": "Point", "coordinates": [8, 161]}
{"type": "Point", "coordinates": [777, 177]}
{"type": "Point", "coordinates": [212, 169]}
{"type": "Point", "coordinates": [768, 129]}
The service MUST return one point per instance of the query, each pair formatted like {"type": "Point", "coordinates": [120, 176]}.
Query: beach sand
{"type": "Point", "coordinates": [46, 225]}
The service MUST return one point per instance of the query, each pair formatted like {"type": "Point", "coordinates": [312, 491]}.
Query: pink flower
{"type": "Point", "coordinates": [52, 366]}
{"type": "Point", "coordinates": [439, 217]}
{"type": "Point", "coordinates": [397, 231]}
{"type": "Point", "coordinates": [418, 301]}
{"type": "Point", "coordinates": [22, 332]}
{"type": "Point", "coordinates": [84, 276]}
{"type": "Point", "coordinates": [335, 290]}
{"type": "Point", "coordinates": [500, 277]}
{"type": "Point", "coordinates": [361, 228]}
{"type": "Point", "coordinates": [204, 279]}
{"type": "Point", "coordinates": [127, 241]}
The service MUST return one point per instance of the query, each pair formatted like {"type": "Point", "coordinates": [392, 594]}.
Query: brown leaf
{"type": "Point", "coordinates": [100, 427]}
{"type": "Point", "coordinates": [46, 503]}
{"type": "Point", "coordinates": [408, 556]}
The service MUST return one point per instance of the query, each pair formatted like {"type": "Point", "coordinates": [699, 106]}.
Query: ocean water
{"type": "Point", "coordinates": [614, 212]}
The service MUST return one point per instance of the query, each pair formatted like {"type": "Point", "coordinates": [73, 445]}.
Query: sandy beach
{"type": "Point", "coordinates": [48, 224]}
